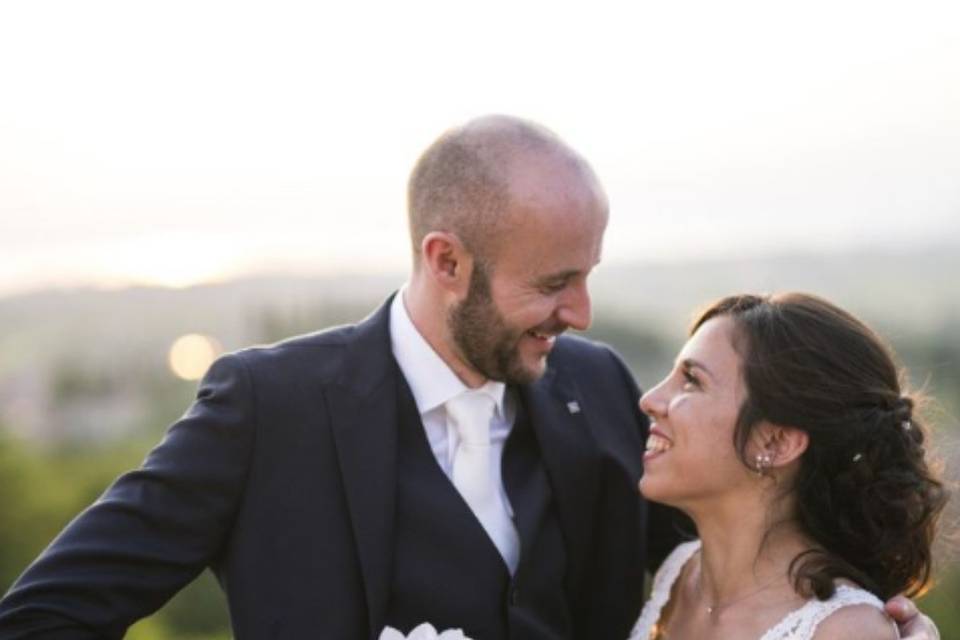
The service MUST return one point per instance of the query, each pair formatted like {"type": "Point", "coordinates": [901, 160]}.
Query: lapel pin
{"type": "Point", "coordinates": [573, 406]}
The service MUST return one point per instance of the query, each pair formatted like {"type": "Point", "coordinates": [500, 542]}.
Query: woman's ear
{"type": "Point", "coordinates": [447, 261]}
{"type": "Point", "coordinates": [782, 444]}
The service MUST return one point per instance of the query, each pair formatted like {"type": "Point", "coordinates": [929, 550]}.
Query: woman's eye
{"type": "Point", "coordinates": [690, 381]}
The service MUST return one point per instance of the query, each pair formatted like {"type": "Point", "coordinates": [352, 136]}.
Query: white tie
{"type": "Point", "coordinates": [475, 472]}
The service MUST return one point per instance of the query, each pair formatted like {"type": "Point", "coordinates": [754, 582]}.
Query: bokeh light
{"type": "Point", "coordinates": [192, 354]}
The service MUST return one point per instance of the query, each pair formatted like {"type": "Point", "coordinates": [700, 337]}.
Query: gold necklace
{"type": "Point", "coordinates": [716, 607]}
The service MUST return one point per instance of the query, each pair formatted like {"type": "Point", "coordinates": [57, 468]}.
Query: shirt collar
{"type": "Point", "coordinates": [431, 380]}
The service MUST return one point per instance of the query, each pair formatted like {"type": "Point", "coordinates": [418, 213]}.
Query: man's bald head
{"type": "Point", "coordinates": [465, 181]}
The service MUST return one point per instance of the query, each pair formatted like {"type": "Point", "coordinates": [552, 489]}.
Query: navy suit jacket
{"type": "Point", "coordinates": [281, 479]}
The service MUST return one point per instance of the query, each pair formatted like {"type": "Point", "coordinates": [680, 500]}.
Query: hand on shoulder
{"type": "Point", "coordinates": [861, 621]}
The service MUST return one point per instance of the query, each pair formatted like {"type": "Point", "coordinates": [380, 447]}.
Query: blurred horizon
{"type": "Point", "coordinates": [399, 269]}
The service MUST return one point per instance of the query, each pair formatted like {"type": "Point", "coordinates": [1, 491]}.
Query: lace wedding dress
{"type": "Point", "coordinates": [799, 624]}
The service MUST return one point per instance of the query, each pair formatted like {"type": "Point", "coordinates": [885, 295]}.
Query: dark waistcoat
{"type": "Point", "coordinates": [446, 569]}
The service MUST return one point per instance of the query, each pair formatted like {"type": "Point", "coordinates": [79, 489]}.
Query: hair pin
{"type": "Point", "coordinates": [906, 425]}
{"type": "Point", "coordinates": [857, 457]}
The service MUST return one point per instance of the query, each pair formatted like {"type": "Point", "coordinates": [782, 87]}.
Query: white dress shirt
{"type": "Point", "coordinates": [433, 383]}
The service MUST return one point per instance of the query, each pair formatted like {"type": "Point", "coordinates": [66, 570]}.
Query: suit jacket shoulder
{"type": "Point", "coordinates": [356, 355]}
{"type": "Point", "coordinates": [592, 364]}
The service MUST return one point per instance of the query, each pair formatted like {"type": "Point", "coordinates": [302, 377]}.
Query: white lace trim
{"type": "Point", "coordinates": [799, 624]}
{"type": "Point", "coordinates": [660, 593]}
{"type": "Point", "coordinates": [802, 623]}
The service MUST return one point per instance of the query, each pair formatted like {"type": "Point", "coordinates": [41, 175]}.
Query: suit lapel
{"type": "Point", "coordinates": [570, 457]}
{"type": "Point", "coordinates": [364, 418]}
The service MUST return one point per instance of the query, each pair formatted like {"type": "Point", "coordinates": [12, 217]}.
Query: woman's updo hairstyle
{"type": "Point", "coordinates": [864, 491]}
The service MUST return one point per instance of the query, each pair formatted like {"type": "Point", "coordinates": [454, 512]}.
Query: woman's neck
{"type": "Point", "coordinates": [745, 551]}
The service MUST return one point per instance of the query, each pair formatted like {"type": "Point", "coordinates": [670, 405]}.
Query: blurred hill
{"type": "Point", "coordinates": [917, 291]}
{"type": "Point", "coordinates": [65, 352]}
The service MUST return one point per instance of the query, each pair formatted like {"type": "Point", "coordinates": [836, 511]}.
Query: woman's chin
{"type": "Point", "coordinates": [656, 487]}
{"type": "Point", "coordinates": [651, 489]}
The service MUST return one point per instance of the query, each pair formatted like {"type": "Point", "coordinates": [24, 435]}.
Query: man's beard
{"type": "Point", "coordinates": [483, 337]}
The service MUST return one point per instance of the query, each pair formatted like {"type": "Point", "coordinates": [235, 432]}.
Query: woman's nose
{"type": "Point", "coordinates": [653, 402]}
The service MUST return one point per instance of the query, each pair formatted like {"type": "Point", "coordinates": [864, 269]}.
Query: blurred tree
{"type": "Point", "coordinates": [43, 488]}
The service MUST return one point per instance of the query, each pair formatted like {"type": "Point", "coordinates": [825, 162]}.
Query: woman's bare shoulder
{"type": "Point", "coordinates": [862, 621]}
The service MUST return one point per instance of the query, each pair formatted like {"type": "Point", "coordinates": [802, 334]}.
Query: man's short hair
{"type": "Point", "coordinates": [460, 184]}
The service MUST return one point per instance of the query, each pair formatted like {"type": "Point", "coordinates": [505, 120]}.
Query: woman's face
{"type": "Point", "coordinates": [690, 455]}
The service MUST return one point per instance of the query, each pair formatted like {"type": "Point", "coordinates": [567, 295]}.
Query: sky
{"type": "Point", "coordinates": [178, 142]}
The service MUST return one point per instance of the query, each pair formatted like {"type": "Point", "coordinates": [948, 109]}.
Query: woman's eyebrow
{"type": "Point", "coordinates": [690, 363]}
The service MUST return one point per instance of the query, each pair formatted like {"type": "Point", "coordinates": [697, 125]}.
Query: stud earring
{"type": "Point", "coordinates": [762, 462]}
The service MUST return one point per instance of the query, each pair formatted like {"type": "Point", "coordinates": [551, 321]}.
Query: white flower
{"type": "Point", "coordinates": [424, 632]}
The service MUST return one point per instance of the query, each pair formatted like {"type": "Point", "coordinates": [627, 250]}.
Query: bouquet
{"type": "Point", "coordinates": [424, 632]}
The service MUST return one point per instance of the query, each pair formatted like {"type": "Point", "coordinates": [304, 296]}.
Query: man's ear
{"type": "Point", "coordinates": [447, 261]}
{"type": "Point", "coordinates": [783, 444]}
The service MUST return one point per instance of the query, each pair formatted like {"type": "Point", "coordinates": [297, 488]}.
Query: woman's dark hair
{"type": "Point", "coordinates": [864, 491]}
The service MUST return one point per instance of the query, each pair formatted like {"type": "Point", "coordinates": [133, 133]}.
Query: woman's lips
{"type": "Point", "coordinates": [657, 444]}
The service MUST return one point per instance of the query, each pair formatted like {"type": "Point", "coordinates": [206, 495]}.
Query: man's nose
{"type": "Point", "coordinates": [574, 310]}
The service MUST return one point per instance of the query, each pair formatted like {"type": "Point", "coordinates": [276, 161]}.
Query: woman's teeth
{"type": "Point", "coordinates": [657, 444]}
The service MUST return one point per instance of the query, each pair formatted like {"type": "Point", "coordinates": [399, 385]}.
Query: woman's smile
{"type": "Point", "coordinates": [657, 444]}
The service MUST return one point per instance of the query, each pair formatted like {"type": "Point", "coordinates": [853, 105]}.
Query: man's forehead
{"type": "Point", "coordinates": [575, 212]}
{"type": "Point", "coordinates": [556, 264]}
{"type": "Point", "coordinates": [538, 176]}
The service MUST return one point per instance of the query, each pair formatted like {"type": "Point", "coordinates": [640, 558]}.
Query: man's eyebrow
{"type": "Point", "coordinates": [690, 363]}
{"type": "Point", "coordinates": [566, 274]}
{"type": "Point", "coordinates": [560, 275]}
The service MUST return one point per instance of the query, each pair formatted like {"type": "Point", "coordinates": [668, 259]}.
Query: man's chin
{"type": "Point", "coordinates": [515, 366]}
{"type": "Point", "coordinates": [529, 372]}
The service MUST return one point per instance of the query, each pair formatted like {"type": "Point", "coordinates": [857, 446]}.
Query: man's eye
{"type": "Point", "coordinates": [553, 287]}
